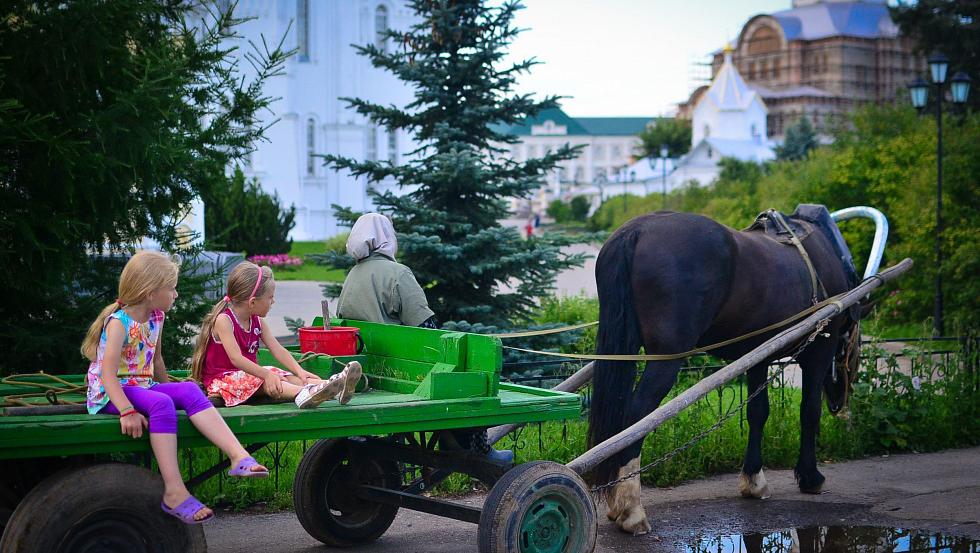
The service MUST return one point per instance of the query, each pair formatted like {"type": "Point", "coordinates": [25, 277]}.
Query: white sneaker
{"type": "Point", "coordinates": [314, 394]}
{"type": "Point", "coordinates": [352, 375]}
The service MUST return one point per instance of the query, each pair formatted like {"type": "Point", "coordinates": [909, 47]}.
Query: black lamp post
{"type": "Point", "coordinates": [663, 166]}
{"type": "Point", "coordinates": [919, 93]}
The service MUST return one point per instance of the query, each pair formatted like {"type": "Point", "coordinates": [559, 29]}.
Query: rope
{"type": "Point", "coordinates": [506, 335]}
{"type": "Point", "coordinates": [50, 391]}
{"type": "Point", "coordinates": [674, 356]}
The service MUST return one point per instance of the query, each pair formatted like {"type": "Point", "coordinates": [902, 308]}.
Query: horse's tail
{"type": "Point", "coordinates": [619, 333]}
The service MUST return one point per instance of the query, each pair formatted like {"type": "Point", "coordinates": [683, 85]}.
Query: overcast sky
{"type": "Point", "coordinates": [625, 57]}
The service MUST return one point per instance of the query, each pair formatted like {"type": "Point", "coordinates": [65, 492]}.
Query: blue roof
{"type": "Point", "coordinates": [827, 19]}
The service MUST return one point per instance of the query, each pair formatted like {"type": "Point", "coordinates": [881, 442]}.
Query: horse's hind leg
{"type": "Point", "coordinates": [752, 480]}
{"type": "Point", "coordinates": [624, 503]}
{"type": "Point", "coordinates": [814, 362]}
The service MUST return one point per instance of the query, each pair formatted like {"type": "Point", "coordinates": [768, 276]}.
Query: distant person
{"type": "Point", "coordinates": [537, 219]}
{"type": "Point", "coordinates": [226, 357]}
{"type": "Point", "coordinates": [380, 290]}
{"type": "Point", "coordinates": [127, 378]}
{"type": "Point", "coordinates": [529, 228]}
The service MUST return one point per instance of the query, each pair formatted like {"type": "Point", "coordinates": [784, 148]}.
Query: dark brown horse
{"type": "Point", "coordinates": [672, 282]}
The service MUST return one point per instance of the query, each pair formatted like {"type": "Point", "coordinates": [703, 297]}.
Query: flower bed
{"type": "Point", "coordinates": [276, 261]}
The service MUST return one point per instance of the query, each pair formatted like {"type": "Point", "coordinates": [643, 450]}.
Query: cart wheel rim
{"type": "Point", "coordinates": [547, 526]}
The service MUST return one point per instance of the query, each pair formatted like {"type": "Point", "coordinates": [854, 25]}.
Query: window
{"type": "Point", "coordinates": [392, 146]}
{"type": "Point", "coordinates": [303, 29]}
{"type": "Point", "coordinates": [616, 151]}
{"type": "Point", "coordinates": [763, 41]}
{"type": "Point", "coordinates": [381, 28]}
{"type": "Point", "coordinates": [775, 68]}
{"type": "Point", "coordinates": [579, 174]}
{"type": "Point", "coordinates": [599, 151]}
{"type": "Point", "coordinates": [310, 147]}
{"type": "Point", "coordinates": [710, 153]}
{"type": "Point", "coordinates": [707, 131]}
{"type": "Point", "coordinates": [372, 144]}
{"type": "Point", "coordinates": [762, 69]}
{"type": "Point", "coordinates": [532, 151]}
{"type": "Point", "coordinates": [751, 71]}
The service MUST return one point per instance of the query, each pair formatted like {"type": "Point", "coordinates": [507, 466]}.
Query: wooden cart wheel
{"type": "Point", "coordinates": [324, 495]}
{"type": "Point", "coordinates": [538, 507]}
{"type": "Point", "coordinates": [105, 508]}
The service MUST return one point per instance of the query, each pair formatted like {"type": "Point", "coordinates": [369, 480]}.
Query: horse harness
{"type": "Point", "coordinates": [782, 227]}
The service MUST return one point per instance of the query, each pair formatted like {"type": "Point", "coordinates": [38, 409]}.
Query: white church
{"type": "Point", "coordinates": [311, 117]}
{"type": "Point", "coordinates": [729, 120]}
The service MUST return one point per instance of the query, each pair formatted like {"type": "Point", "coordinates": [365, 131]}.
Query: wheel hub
{"type": "Point", "coordinates": [546, 527]}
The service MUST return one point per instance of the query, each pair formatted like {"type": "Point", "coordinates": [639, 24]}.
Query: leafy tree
{"type": "Point", "coordinates": [559, 211]}
{"type": "Point", "coordinates": [672, 132]}
{"type": "Point", "coordinates": [579, 206]}
{"type": "Point", "coordinates": [800, 139]}
{"type": "Point", "coordinates": [448, 223]}
{"type": "Point", "coordinates": [113, 116]}
{"type": "Point", "coordinates": [241, 217]}
{"type": "Point", "coordinates": [949, 26]}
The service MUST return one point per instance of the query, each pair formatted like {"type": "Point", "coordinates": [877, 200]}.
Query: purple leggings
{"type": "Point", "coordinates": [160, 403]}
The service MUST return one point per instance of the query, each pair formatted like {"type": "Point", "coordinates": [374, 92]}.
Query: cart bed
{"type": "Point", "coordinates": [420, 380]}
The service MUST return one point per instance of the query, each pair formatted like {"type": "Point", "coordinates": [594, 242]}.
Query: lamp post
{"type": "Point", "coordinates": [919, 93]}
{"type": "Point", "coordinates": [663, 166]}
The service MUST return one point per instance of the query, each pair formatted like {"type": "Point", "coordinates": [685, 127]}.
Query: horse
{"type": "Point", "coordinates": [673, 282]}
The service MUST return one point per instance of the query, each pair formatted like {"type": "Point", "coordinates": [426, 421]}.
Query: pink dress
{"type": "Point", "coordinates": [220, 376]}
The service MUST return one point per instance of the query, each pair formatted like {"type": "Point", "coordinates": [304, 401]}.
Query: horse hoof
{"type": "Point", "coordinates": [754, 485]}
{"type": "Point", "coordinates": [634, 521]}
{"type": "Point", "coordinates": [814, 485]}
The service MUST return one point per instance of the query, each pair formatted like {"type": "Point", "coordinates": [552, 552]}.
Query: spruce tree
{"type": "Point", "coordinates": [471, 267]}
{"type": "Point", "coordinates": [800, 139]}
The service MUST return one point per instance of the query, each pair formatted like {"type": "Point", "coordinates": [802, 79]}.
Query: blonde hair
{"type": "Point", "coordinates": [144, 273]}
{"type": "Point", "coordinates": [241, 284]}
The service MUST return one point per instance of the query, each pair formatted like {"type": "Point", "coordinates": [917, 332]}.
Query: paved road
{"type": "Point", "coordinates": [937, 492]}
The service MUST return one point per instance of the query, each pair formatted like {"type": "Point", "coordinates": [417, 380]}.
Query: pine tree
{"type": "Point", "coordinates": [113, 116]}
{"type": "Point", "coordinates": [448, 223]}
{"type": "Point", "coordinates": [800, 139]}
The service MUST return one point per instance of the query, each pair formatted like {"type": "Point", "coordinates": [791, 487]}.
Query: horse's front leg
{"type": "Point", "coordinates": [752, 480]}
{"type": "Point", "coordinates": [814, 363]}
{"type": "Point", "coordinates": [623, 500]}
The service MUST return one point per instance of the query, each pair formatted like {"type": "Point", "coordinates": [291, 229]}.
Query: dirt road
{"type": "Point", "coordinates": [937, 492]}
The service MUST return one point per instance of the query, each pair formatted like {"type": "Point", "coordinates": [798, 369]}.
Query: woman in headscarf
{"type": "Point", "coordinates": [380, 290]}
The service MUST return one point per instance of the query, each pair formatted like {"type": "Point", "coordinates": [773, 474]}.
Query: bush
{"type": "Point", "coordinates": [239, 216]}
{"type": "Point", "coordinates": [579, 208]}
{"type": "Point", "coordinates": [559, 211]}
{"type": "Point", "coordinates": [338, 243]}
{"type": "Point", "coordinates": [574, 211]}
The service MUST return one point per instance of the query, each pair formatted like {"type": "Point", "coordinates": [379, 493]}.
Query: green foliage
{"type": "Point", "coordinates": [671, 132]}
{"type": "Point", "coordinates": [113, 116]}
{"type": "Point", "coordinates": [946, 26]}
{"type": "Point", "coordinates": [886, 159]}
{"type": "Point", "coordinates": [579, 206]}
{"type": "Point", "coordinates": [559, 211]}
{"type": "Point", "coordinates": [243, 218]}
{"type": "Point", "coordinates": [800, 139]}
{"type": "Point", "coordinates": [448, 227]}
{"type": "Point", "coordinates": [337, 243]}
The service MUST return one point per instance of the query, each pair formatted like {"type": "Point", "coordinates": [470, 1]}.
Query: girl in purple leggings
{"type": "Point", "coordinates": [127, 378]}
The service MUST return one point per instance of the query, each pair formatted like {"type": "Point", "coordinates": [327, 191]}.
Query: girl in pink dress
{"type": "Point", "coordinates": [226, 357]}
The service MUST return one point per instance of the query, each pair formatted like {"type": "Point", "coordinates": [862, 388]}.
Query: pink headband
{"type": "Point", "coordinates": [257, 284]}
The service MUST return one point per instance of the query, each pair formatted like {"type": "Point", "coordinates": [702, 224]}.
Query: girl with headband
{"type": "Point", "coordinates": [226, 357]}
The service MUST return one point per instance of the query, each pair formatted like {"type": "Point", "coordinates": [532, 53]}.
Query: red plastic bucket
{"type": "Point", "coordinates": [336, 340]}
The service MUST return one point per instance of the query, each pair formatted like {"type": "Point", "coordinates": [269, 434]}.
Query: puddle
{"type": "Point", "coordinates": [833, 539]}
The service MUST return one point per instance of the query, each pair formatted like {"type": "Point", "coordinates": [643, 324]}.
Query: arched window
{"type": "Point", "coordinates": [381, 28]}
{"type": "Point", "coordinates": [310, 147]}
{"type": "Point", "coordinates": [751, 71]}
{"type": "Point", "coordinates": [763, 41]}
{"type": "Point", "coordinates": [392, 146]}
{"type": "Point", "coordinates": [303, 29]}
{"type": "Point", "coordinates": [707, 131]}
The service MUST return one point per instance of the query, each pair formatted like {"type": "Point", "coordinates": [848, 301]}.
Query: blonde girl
{"type": "Point", "coordinates": [226, 357]}
{"type": "Point", "coordinates": [128, 378]}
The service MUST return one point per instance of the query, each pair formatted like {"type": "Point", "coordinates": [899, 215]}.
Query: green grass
{"type": "Point", "coordinates": [308, 270]}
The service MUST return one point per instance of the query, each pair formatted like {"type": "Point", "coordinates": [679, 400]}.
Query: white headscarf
{"type": "Point", "coordinates": [372, 232]}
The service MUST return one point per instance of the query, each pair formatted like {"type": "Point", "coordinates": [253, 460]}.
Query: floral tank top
{"type": "Point", "coordinates": [135, 360]}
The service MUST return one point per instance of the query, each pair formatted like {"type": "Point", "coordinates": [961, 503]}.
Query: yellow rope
{"type": "Point", "coordinates": [542, 332]}
{"type": "Point", "coordinates": [51, 391]}
{"type": "Point", "coordinates": [673, 356]}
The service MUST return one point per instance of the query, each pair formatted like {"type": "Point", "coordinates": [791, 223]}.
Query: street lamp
{"type": "Point", "coordinates": [919, 92]}
{"type": "Point", "coordinates": [663, 166]}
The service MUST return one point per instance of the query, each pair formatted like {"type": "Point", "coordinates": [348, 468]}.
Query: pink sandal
{"type": "Point", "coordinates": [186, 511]}
{"type": "Point", "coordinates": [244, 469]}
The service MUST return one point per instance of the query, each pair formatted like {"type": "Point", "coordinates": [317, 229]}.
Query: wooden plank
{"type": "Point", "coordinates": [588, 460]}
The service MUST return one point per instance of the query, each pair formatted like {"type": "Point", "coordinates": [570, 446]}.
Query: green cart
{"type": "Point", "coordinates": [64, 490]}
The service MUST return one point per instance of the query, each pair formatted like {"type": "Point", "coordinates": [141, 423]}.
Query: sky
{"type": "Point", "coordinates": [621, 58]}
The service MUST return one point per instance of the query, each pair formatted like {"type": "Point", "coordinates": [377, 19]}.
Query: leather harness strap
{"type": "Point", "coordinates": [815, 283]}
